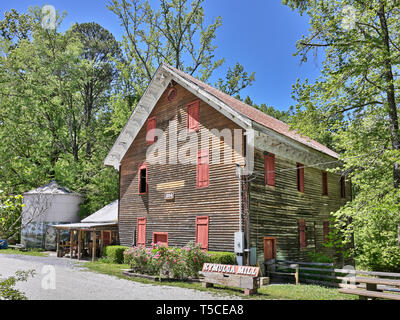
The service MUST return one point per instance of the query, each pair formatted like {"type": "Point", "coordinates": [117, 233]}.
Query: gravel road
{"type": "Point", "coordinates": [74, 282]}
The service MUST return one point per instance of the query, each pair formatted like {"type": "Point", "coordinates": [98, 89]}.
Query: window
{"type": "Point", "coordinates": [269, 169]}
{"type": "Point", "coordinates": [326, 231]}
{"type": "Point", "coordinates": [324, 183]}
{"type": "Point", "coordinates": [193, 116]}
{"type": "Point", "coordinates": [300, 177]}
{"type": "Point", "coordinates": [142, 179]}
{"type": "Point", "coordinates": [302, 234]}
{"type": "Point", "coordinates": [343, 187]}
{"type": "Point", "coordinates": [202, 224]}
{"type": "Point", "coordinates": [151, 130]}
{"type": "Point", "coordinates": [203, 169]}
{"type": "Point", "coordinates": [161, 238]}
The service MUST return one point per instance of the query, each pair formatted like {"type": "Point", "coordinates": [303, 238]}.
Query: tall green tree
{"type": "Point", "coordinates": [355, 99]}
{"type": "Point", "coordinates": [174, 33]}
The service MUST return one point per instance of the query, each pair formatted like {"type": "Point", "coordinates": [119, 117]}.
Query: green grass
{"type": "Point", "coordinates": [31, 252]}
{"type": "Point", "coordinates": [272, 292]}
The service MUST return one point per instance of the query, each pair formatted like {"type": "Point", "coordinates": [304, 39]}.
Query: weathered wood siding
{"type": "Point", "coordinates": [219, 201]}
{"type": "Point", "coordinates": [275, 211]}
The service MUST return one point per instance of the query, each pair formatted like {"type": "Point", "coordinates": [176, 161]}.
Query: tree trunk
{"type": "Point", "coordinates": [390, 94]}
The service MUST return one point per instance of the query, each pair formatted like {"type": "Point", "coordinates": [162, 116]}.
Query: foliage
{"type": "Point", "coordinates": [55, 108]}
{"type": "Point", "coordinates": [114, 253]}
{"type": "Point", "coordinates": [7, 285]}
{"type": "Point", "coordinates": [174, 33]}
{"type": "Point", "coordinates": [10, 215]}
{"type": "Point", "coordinates": [166, 262]}
{"type": "Point", "coordinates": [353, 108]}
{"type": "Point", "coordinates": [269, 110]}
{"type": "Point", "coordinates": [221, 257]}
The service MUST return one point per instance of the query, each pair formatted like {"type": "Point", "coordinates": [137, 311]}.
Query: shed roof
{"type": "Point", "coordinates": [52, 188]}
{"type": "Point", "coordinates": [107, 214]}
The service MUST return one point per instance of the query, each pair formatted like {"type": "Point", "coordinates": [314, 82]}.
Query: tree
{"type": "Point", "coordinates": [356, 100]}
{"type": "Point", "coordinates": [55, 110]}
{"type": "Point", "coordinates": [7, 290]}
{"type": "Point", "coordinates": [269, 110]}
{"type": "Point", "coordinates": [10, 215]}
{"type": "Point", "coordinates": [172, 34]}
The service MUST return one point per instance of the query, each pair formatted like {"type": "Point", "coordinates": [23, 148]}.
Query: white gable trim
{"type": "Point", "coordinates": [156, 88]}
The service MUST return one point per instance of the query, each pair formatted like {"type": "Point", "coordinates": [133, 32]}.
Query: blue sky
{"type": "Point", "coordinates": [260, 34]}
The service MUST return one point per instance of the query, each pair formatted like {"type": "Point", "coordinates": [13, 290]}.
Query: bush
{"type": "Point", "coordinates": [167, 262]}
{"type": "Point", "coordinates": [114, 254]}
{"type": "Point", "coordinates": [221, 258]}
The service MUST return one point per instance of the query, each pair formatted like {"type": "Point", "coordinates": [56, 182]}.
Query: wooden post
{"type": "Point", "coordinates": [58, 243]}
{"type": "Point", "coordinates": [297, 274]}
{"type": "Point", "coordinates": [102, 243]}
{"type": "Point", "coordinates": [71, 239]}
{"type": "Point", "coordinates": [79, 244]}
{"type": "Point", "coordinates": [94, 246]}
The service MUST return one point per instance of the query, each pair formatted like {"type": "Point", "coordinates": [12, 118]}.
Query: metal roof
{"type": "Point", "coordinates": [107, 214]}
{"type": "Point", "coordinates": [78, 226]}
{"type": "Point", "coordinates": [52, 188]}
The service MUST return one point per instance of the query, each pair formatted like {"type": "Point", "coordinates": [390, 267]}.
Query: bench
{"type": "Point", "coordinates": [17, 247]}
{"type": "Point", "coordinates": [365, 294]}
{"type": "Point", "coordinates": [372, 291]}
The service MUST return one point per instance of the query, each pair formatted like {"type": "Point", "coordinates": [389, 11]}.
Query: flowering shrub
{"type": "Point", "coordinates": [166, 262]}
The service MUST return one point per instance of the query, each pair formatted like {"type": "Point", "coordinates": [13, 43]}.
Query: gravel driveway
{"type": "Point", "coordinates": [74, 282]}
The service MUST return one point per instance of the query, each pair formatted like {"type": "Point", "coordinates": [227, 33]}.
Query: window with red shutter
{"type": "Point", "coordinates": [151, 132]}
{"type": "Point", "coordinates": [324, 183]}
{"type": "Point", "coordinates": [203, 169]}
{"type": "Point", "coordinates": [202, 224]}
{"type": "Point", "coordinates": [302, 234]}
{"type": "Point", "coordinates": [300, 177]}
{"type": "Point", "coordinates": [326, 231]}
{"type": "Point", "coordinates": [141, 231]}
{"type": "Point", "coordinates": [270, 169]}
{"type": "Point", "coordinates": [193, 116]}
{"type": "Point", "coordinates": [343, 187]}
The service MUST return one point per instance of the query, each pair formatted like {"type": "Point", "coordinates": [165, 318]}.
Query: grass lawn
{"type": "Point", "coordinates": [272, 292]}
{"type": "Point", "coordinates": [25, 253]}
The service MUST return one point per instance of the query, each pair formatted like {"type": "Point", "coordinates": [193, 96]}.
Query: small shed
{"type": "Point", "coordinates": [45, 207]}
{"type": "Point", "coordinates": [91, 235]}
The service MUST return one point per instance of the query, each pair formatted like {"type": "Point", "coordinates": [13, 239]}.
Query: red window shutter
{"type": "Point", "coordinates": [141, 231]}
{"type": "Point", "coordinates": [302, 234]}
{"type": "Point", "coordinates": [300, 177]}
{"type": "Point", "coordinates": [270, 169]}
{"type": "Point", "coordinates": [326, 231]}
{"type": "Point", "coordinates": [324, 183]}
{"type": "Point", "coordinates": [150, 133]}
{"type": "Point", "coordinates": [161, 237]}
{"type": "Point", "coordinates": [203, 169]}
{"type": "Point", "coordinates": [202, 224]}
{"type": "Point", "coordinates": [193, 116]}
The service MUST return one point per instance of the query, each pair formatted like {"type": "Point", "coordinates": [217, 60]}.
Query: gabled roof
{"type": "Point", "coordinates": [235, 109]}
{"type": "Point", "coordinates": [257, 115]}
{"type": "Point", "coordinates": [52, 188]}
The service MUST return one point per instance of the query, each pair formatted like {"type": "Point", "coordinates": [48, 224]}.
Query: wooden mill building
{"type": "Point", "coordinates": [282, 203]}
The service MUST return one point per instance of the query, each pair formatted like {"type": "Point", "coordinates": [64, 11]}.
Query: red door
{"type": "Point", "coordinates": [202, 231]}
{"type": "Point", "coordinates": [269, 248]}
{"type": "Point", "coordinates": [141, 231]}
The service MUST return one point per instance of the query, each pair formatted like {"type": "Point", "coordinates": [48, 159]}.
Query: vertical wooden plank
{"type": "Point", "coordinates": [94, 246]}
{"type": "Point", "coordinates": [71, 239]}
{"type": "Point", "coordinates": [58, 242]}
{"type": "Point", "coordinates": [101, 243]}
{"type": "Point", "coordinates": [79, 244]}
